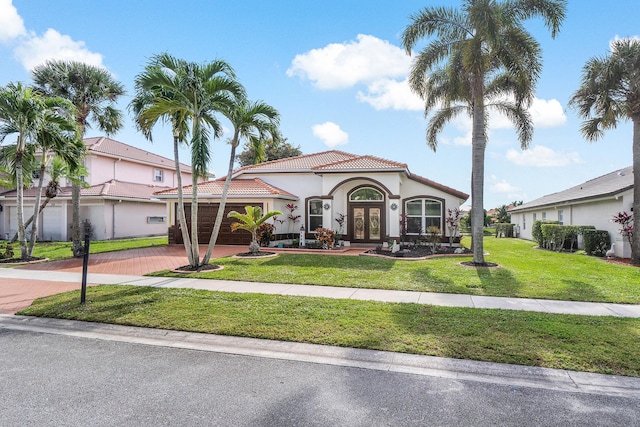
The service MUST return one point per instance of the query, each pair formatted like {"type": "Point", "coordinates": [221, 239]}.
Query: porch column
{"type": "Point", "coordinates": [327, 214]}
{"type": "Point", "coordinates": [394, 217]}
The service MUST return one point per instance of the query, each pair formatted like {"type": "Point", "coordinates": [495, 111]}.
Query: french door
{"type": "Point", "coordinates": [366, 222]}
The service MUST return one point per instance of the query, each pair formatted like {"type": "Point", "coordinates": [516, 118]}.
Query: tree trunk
{"type": "Point", "coordinates": [76, 232]}
{"type": "Point", "coordinates": [36, 207]}
{"type": "Point", "coordinates": [30, 220]}
{"type": "Point", "coordinates": [19, 200]}
{"type": "Point", "coordinates": [182, 220]}
{"type": "Point", "coordinates": [635, 245]}
{"type": "Point", "coordinates": [223, 202]}
{"type": "Point", "coordinates": [478, 144]}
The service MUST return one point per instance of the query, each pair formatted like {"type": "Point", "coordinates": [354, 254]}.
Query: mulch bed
{"type": "Point", "coordinates": [416, 252]}
{"type": "Point", "coordinates": [190, 269]}
{"type": "Point", "coordinates": [29, 260]}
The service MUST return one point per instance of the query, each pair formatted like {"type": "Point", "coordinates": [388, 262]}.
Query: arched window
{"type": "Point", "coordinates": [366, 194]}
{"type": "Point", "coordinates": [422, 214]}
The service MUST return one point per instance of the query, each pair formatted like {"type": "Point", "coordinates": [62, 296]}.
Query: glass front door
{"type": "Point", "coordinates": [366, 224]}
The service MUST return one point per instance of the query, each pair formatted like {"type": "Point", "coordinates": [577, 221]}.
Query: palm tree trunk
{"type": "Point", "coordinates": [635, 244]}
{"type": "Point", "coordinates": [36, 207]}
{"type": "Point", "coordinates": [30, 220]}
{"type": "Point", "coordinates": [195, 250]}
{"type": "Point", "coordinates": [223, 202]}
{"type": "Point", "coordinates": [76, 233]}
{"type": "Point", "coordinates": [182, 221]}
{"type": "Point", "coordinates": [19, 200]}
{"type": "Point", "coordinates": [478, 144]}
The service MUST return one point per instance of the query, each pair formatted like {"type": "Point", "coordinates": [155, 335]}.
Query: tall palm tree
{"type": "Point", "coordinates": [610, 92]}
{"type": "Point", "coordinates": [249, 120]}
{"type": "Point", "coordinates": [24, 112]}
{"type": "Point", "coordinates": [480, 58]}
{"type": "Point", "coordinates": [94, 92]}
{"type": "Point", "coordinates": [187, 95]}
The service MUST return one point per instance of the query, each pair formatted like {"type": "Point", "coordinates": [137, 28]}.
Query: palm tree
{"type": "Point", "coordinates": [94, 92]}
{"type": "Point", "coordinates": [480, 58]}
{"type": "Point", "coordinates": [33, 118]}
{"type": "Point", "coordinates": [610, 92]}
{"type": "Point", "coordinates": [249, 119]}
{"type": "Point", "coordinates": [187, 95]}
{"type": "Point", "coordinates": [250, 221]}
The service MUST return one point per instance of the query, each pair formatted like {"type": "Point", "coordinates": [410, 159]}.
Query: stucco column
{"type": "Point", "coordinates": [394, 218]}
{"type": "Point", "coordinates": [327, 214]}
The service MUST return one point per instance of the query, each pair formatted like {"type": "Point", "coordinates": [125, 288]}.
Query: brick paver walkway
{"type": "Point", "coordinates": [16, 294]}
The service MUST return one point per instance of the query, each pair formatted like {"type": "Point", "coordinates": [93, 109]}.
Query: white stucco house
{"type": "Point", "coordinates": [118, 199]}
{"type": "Point", "coordinates": [313, 190]}
{"type": "Point", "coordinates": [594, 202]}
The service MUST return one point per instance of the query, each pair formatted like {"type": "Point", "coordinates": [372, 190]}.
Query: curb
{"type": "Point", "coordinates": [455, 369]}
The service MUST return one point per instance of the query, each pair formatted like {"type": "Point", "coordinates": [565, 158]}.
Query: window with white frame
{"type": "Point", "coordinates": [534, 217]}
{"type": "Point", "coordinates": [366, 194]}
{"type": "Point", "coordinates": [544, 216]}
{"type": "Point", "coordinates": [314, 211]}
{"type": "Point", "coordinates": [422, 214]}
{"type": "Point", "coordinates": [561, 216]}
{"type": "Point", "coordinates": [524, 221]}
{"type": "Point", "coordinates": [158, 175]}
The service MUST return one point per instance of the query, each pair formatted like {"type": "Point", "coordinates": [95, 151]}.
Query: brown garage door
{"type": "Point", "coordinates": [206, 218]}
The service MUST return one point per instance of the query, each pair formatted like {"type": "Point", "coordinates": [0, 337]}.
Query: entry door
{"type": "Point", "coordinates": [367, 222]}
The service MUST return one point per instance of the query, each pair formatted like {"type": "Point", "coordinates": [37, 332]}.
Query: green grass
{"type": "Point", "coordinates": [62, 250]}
{"type": "Point", "coordinates": [594, 344]}
{"type": "Point", "coordinates": [524, 272]}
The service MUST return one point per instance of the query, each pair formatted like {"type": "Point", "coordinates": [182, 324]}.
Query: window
{"type": "Point", "coordinates": [155, 219]}
{"type": "Point", "coordinates": [524, 222]}
{"type": "Point", "coordinates": [544, 216]}
{"type": "Point", "coordinates": [158, 175]}
{"type": "Point", "coordinates": [422, 214]}
{"type": "Point", "coordinates": [561, 216]}
{"type": "Point", "coordinates": [315, 214]}
{"type": "Point", "coordinates": [366, 194]}
{"type": "Point", "coordinates": [534, 217]}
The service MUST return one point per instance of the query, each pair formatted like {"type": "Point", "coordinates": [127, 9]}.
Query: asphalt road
{"type": "Point", "coordinates": [54, 380]}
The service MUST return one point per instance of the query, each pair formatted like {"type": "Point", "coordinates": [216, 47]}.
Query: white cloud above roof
{"type": "Point", "coordinates": [341, 65]}
{"type": "Point", "coordinates": [11, 24]}
{"type": "Point", "coordinates": [542, 157]}
{"type": "Point", "coordinates": [331, 134]}
{"type": "Point", "coordinates": [53, 45]}
{"type": "Point", "coordinates": [391, 94]}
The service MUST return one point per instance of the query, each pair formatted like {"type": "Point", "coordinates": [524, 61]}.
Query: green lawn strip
{"type": "Point", "coordinates": [524, 272]}
{"type": "Point", "coordinates": [583, 343]}
{"type": "Point", "coordinates": [62, 250]}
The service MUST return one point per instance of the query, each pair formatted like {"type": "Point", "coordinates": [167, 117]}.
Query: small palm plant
{"type": "Point", "coordinates": [251, 221]}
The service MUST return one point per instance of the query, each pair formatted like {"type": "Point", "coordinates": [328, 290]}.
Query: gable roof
{"type": "Point", "coordinates": [112, 148]}
{"type": "Point", "coordinates": [239, 188]}
{"type": "Point", "coordinates": [608, 185]}
{"type": "Point", "coordinates": [340, 161]}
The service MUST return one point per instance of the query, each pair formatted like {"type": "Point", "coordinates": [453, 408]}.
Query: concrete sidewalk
{"type": "Point", "coordinates": [9, 276]}
{"type": "Point", "coordinates": [454, 369]}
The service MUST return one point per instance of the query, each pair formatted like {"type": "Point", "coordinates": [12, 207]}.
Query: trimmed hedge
{"type": "Point", "coordinates": [504, 230]}
{"type": "Point", "coordinates": [596, 242]}
{"type": "Point", "coordinates": [536, 231]}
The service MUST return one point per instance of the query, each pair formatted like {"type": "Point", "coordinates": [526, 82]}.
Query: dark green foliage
{"type": "Point", "coordinates": [265, 232]}
{"type": "Point", "coordinates": [272, 150]}
{"type": "Point", "coordinates": [504, 230]}
{"type": "Point", "coordinates": [6, 251]}
{"type": "Point", "coordinates": [536, 231]}
{"type": "Point", "coordinates": [596, 242]}
{"type": "Point", "coordinates": [554, 236]}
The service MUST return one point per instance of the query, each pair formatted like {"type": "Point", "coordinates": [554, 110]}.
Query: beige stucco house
{"type": "Point", "coordinates": [313, 190]}
{"type": "Point", "coordinates": [594, 202]}
{"type": "Point", "coordinates": [117, 200]}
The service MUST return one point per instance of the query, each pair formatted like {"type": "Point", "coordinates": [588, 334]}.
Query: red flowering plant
{"type": "Point", "coordinates": [453, 223]}
{"type": "Point", "coordinates": [293, 219]}
{"type": "Point", "coordinates": [626, 225]}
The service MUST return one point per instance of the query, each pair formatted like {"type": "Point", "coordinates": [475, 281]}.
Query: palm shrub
{"type": "Point", "coordinates": [251, 221]}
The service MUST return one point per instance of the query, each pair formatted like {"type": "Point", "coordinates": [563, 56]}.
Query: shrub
{"type": "Point", "coordinates": [433, 235]}
{"type": "Point", "coordinates": [265, 232]}
{"type": "Point", "coordinates": [571, 236]}
{"type": "Point", "coordinates": [326, 237]}
{"type": "Point", "coordinates": [554, 236]}
{"type": "Point", "coordinates": [504, 230]}
{"type": "Point", "coordinates": [596, 242]}
{"type": "Point", "coordinates": [536, 231]}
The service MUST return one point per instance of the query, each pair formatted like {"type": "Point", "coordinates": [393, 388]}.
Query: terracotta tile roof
{"type": "Point", "coordinates": [440, 187]}
{"type": "Point", "coordinates": [239, 188]}
{"type": "Point", "coordinates": [113, 148]}
{"type": "Point", "coordinates": [110, 189]}
{"type": "Point", "coordinates": [607, 185]}
{"type": "Point", "coordinates": [299, 163]}
{"type": "Point", "coordinates": [361, 163]}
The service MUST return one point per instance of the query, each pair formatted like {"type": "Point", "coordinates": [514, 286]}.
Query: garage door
{"type": "Point", "coordinates": [206, 218]}
{"type": "Point", "coordinates": [52, 223]}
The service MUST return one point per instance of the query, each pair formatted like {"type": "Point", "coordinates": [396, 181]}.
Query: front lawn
{"type": "Point", "coordinates": [524, 272]}
{"type": "Point", "coordinates": [61, 250]}
{"type": "Point", "coordinates": [593, 344]}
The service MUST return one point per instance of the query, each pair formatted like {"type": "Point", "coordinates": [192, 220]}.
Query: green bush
{"type": "Point", "coordinates": [571, 236]}
{"type": "Point", "coordinates": [536, 231]}
{"type": "Point", "coordinates": [596, 242]}
{"type": "Point", "coordinates": [554, 236]}
{"type": "Point", "coordinates": [504, 230]}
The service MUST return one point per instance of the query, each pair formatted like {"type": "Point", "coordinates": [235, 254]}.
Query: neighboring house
{"type": "Point", "coordinates": [121, 180]}
{"type": "Point", "coordinates": [371, 192]}
{"type": "Point", "coordinates": [594, 202]}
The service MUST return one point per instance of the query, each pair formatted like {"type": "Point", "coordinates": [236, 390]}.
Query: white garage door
{"type": "Point", "coordinates": [52, 223]}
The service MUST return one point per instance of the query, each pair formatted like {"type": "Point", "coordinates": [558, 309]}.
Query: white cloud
{"type": "Point", "coordinates": [342, 65]}
{"type": "Point", "coordinates": [11, 24]}
{"type": "Point", "coordinates": [53, 45]}
{"type": "Point", "coordinates": [617, 37]}
{"type": "Point", "coordinates": [541, 156]}
{"type": "Point", "coordinates": [547, 114]}
{"type": "Point", "coordinates": [331, 134]}
{"type": "Point", "coordinates": [387, 94]}
{"type": "Point", "coordinates": [501, 186]}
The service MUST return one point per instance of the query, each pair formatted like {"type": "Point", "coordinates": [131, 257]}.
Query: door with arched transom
{"type": "Point", "coordinates": [366, 215]}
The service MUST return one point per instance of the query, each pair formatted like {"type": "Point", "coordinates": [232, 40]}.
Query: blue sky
{"type": "Point", "coordinates": [336, 73]}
